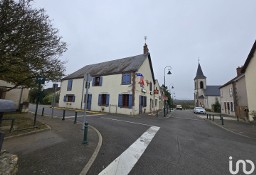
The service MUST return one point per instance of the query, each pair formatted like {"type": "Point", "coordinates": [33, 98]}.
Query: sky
{"type": "Point", "coordinates": [218, 33]}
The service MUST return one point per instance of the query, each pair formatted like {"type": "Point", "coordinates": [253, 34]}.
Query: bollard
{"type": "Point", "coordinates": [1, 140]}
{"type": "Point", "coordinates": [85, 132]}
{"type": "Point", "coordinates": [63, 116]}
{"type": "Point", "coordinates": [212, 117]}
{"type": "Point", "coordinates": [75, 117]}
{"type": "Point", "coordinates": [222, 121]}
{"type": "Point", "coordinates": [237, 118]}
{"type": "Point", "coordinates": [42, 112]}
{"type": "Point", "coordinates": [207, 116]}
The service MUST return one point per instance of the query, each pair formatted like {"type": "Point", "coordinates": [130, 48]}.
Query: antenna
{"type": "Point", "coordinates": [145, 37]}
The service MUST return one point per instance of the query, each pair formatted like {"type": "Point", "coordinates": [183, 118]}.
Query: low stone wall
{"type": "Point", "coordinates": [8, 163]}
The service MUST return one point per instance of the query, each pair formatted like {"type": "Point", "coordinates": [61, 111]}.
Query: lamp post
{"type": "Point", "coordinates": [169, 73]}
{"type": "Point", "coordinates": [40, 81]}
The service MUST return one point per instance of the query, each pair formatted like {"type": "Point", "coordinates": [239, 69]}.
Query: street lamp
{"type": "Point", "coordinates": [169, 73]}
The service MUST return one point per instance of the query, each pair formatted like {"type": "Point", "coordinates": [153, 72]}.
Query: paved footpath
{"type": "Point", "coordinates": [232, 125]}
{"type": "Point", "coordinates": [58, 150]}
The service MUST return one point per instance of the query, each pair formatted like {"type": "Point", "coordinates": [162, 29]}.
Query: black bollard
{"type": "Point", "coordinates": [85, 141]}
{"type": "Point", "coordinates": [75, 117]}
{"type": "Point", "coordinates": [42, 112]}
{"type": "Point", "coordinates": [63, 116]}
{"type": "Point", "coordinates": [222, 121]}
{"type": "Point", "coordinates": [207, 116]}
{"type": "Point", "coordinates": [212, 117]}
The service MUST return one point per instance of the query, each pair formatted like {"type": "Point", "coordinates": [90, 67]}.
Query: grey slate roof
{"type": "Point", "coordinates": [212, 91]}
{"type": "Point", "coordinates": [199, 73]}
{"type": "Point", "coordinates": [128, 64]}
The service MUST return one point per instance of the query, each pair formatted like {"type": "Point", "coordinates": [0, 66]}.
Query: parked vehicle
{"type": "Point", "coordinates": [178, 107]}
{"type": "Point", "coordinates": [199, 110]}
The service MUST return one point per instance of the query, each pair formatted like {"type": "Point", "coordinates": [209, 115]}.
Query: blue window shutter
{"type": "Point", "coordinates": [89, 102]}
{"type": "Point", "coordinates": [93, 81]}
{"type": "Point", "coordinates": [101, 81]}
{"type": "Point", "coordinates": [73, 99]}
{"type": "Point", "coordinates": [107, 99]}
{"type": "Point", "coordinates": [99, 100]}
{"type": "Point", "coordinates": [130, 101]}
{"type": "Point", "coordinates": [69, 88]}
{"type": "Point", "coordinates": [120, 100]}
{"type": "Point", "coordinates": [65, 98]}
{"type": "Point", "coordinates": [128, 78]}
{"type": "Point", "coordinates": [123, 78]}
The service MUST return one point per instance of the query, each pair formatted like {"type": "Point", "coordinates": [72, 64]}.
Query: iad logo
{"type": "Point", "coordinates": [243, 166]}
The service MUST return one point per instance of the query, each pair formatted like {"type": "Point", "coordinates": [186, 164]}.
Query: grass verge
{"type": "Point", "coordinates": [23, 124]}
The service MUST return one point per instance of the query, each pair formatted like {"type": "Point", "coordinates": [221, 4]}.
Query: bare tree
{"type": "Point", "coordinates": [29, 45]}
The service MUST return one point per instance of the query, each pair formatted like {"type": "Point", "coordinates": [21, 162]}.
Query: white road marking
{"type": "Point", "coordinates": [82, 116]}
{"type": "Point", "coordinates": [123, 164]}
{"type": "Point", "coordinates": [136, 123]}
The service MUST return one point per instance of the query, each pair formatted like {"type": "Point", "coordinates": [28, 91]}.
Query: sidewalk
{"type": "Point", "coordinates": [232, 125]}
{"type": "Point", "coordinates": [55, 151]}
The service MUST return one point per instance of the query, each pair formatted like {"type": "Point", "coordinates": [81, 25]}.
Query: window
{"type": "Point", "coordinates": [144, 102]}
{"type": "Point", "coordinates": [126, 79]}
{"type": "Point", "coordinates": [103, 100]}
{"type": "Point", "coordinates": [230, 92]}
{"type": "Point", "coordinates": [69, 98]}
{"type": "Point", "coordinates": [125, 101]}
{"type": "Point", "coordinates": [97, 81]}
{"type": "Point", "coordinates": [201, 84]}
{"type": "Point", "coordinates": [231, 106]}
{"type": "Point", "coordinates": [70, 82]}
{"type": "Point", "coordinates": [150, 86]}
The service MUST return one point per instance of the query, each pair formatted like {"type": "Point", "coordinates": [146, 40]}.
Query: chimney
{"type": "Point", "coordinates": [238, 70]}
{"type": "Point", "coordinates": [145, 49]}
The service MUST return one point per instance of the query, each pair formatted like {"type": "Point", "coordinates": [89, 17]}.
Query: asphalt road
{"type": "Point", "coordinates": [184, 144]}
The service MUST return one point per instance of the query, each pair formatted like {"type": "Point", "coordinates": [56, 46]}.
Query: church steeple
{"type": "Point", "coordinates": [199, 73]}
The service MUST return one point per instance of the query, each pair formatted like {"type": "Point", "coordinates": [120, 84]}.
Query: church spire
{"type": "Point", "coordinates": [199, 72]}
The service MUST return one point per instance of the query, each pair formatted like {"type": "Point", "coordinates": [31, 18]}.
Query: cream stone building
{"type": "Point", "coordinates": [204, 95]}
{"type": "Point", "coordinates": [125, 86]}
{"type": "Point", "coordinates": [19, 95]}
{"type": "Point", "coordinates": [233, 96]}
{"type": "Point", "coordinates": [249, 69]}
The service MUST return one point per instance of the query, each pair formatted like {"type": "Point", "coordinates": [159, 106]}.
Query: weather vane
{"type": "Point", "coordinates": [145, 37]}
{"type": "Point", "coordinates": [198, 60]}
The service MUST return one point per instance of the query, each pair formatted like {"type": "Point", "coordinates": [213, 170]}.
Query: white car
{"type": "Point", "coordinates": [199, 110]}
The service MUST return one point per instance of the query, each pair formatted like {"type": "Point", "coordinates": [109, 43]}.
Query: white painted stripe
{"type": "Point", "coordinates": [123, 164]}
{"type": "Point", "coordinates": [81, 116]}
{"type": "Point", "coordinates": [136, 123]}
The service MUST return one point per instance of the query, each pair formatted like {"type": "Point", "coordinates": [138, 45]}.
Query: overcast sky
{"type": "Point", "coordinates": [219, 32]}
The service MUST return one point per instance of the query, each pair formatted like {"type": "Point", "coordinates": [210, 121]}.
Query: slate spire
{"type": "Point", "coordinates": [199, 73]}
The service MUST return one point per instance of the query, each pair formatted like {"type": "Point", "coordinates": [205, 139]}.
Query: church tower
{"type": "Point", "coordinates": [200, 87]}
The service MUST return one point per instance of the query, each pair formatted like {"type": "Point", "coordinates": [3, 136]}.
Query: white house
{"type": "Point", "coordinates": [19, 94]}
{"type": "Point", "coordinates": [205, 95]}
{"type": "Point", "coordinates": [233, 96]}
{"type": "Point", "coordinates": [125, 86]}
{"type": "Point", "coordinates": [249, 69]}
